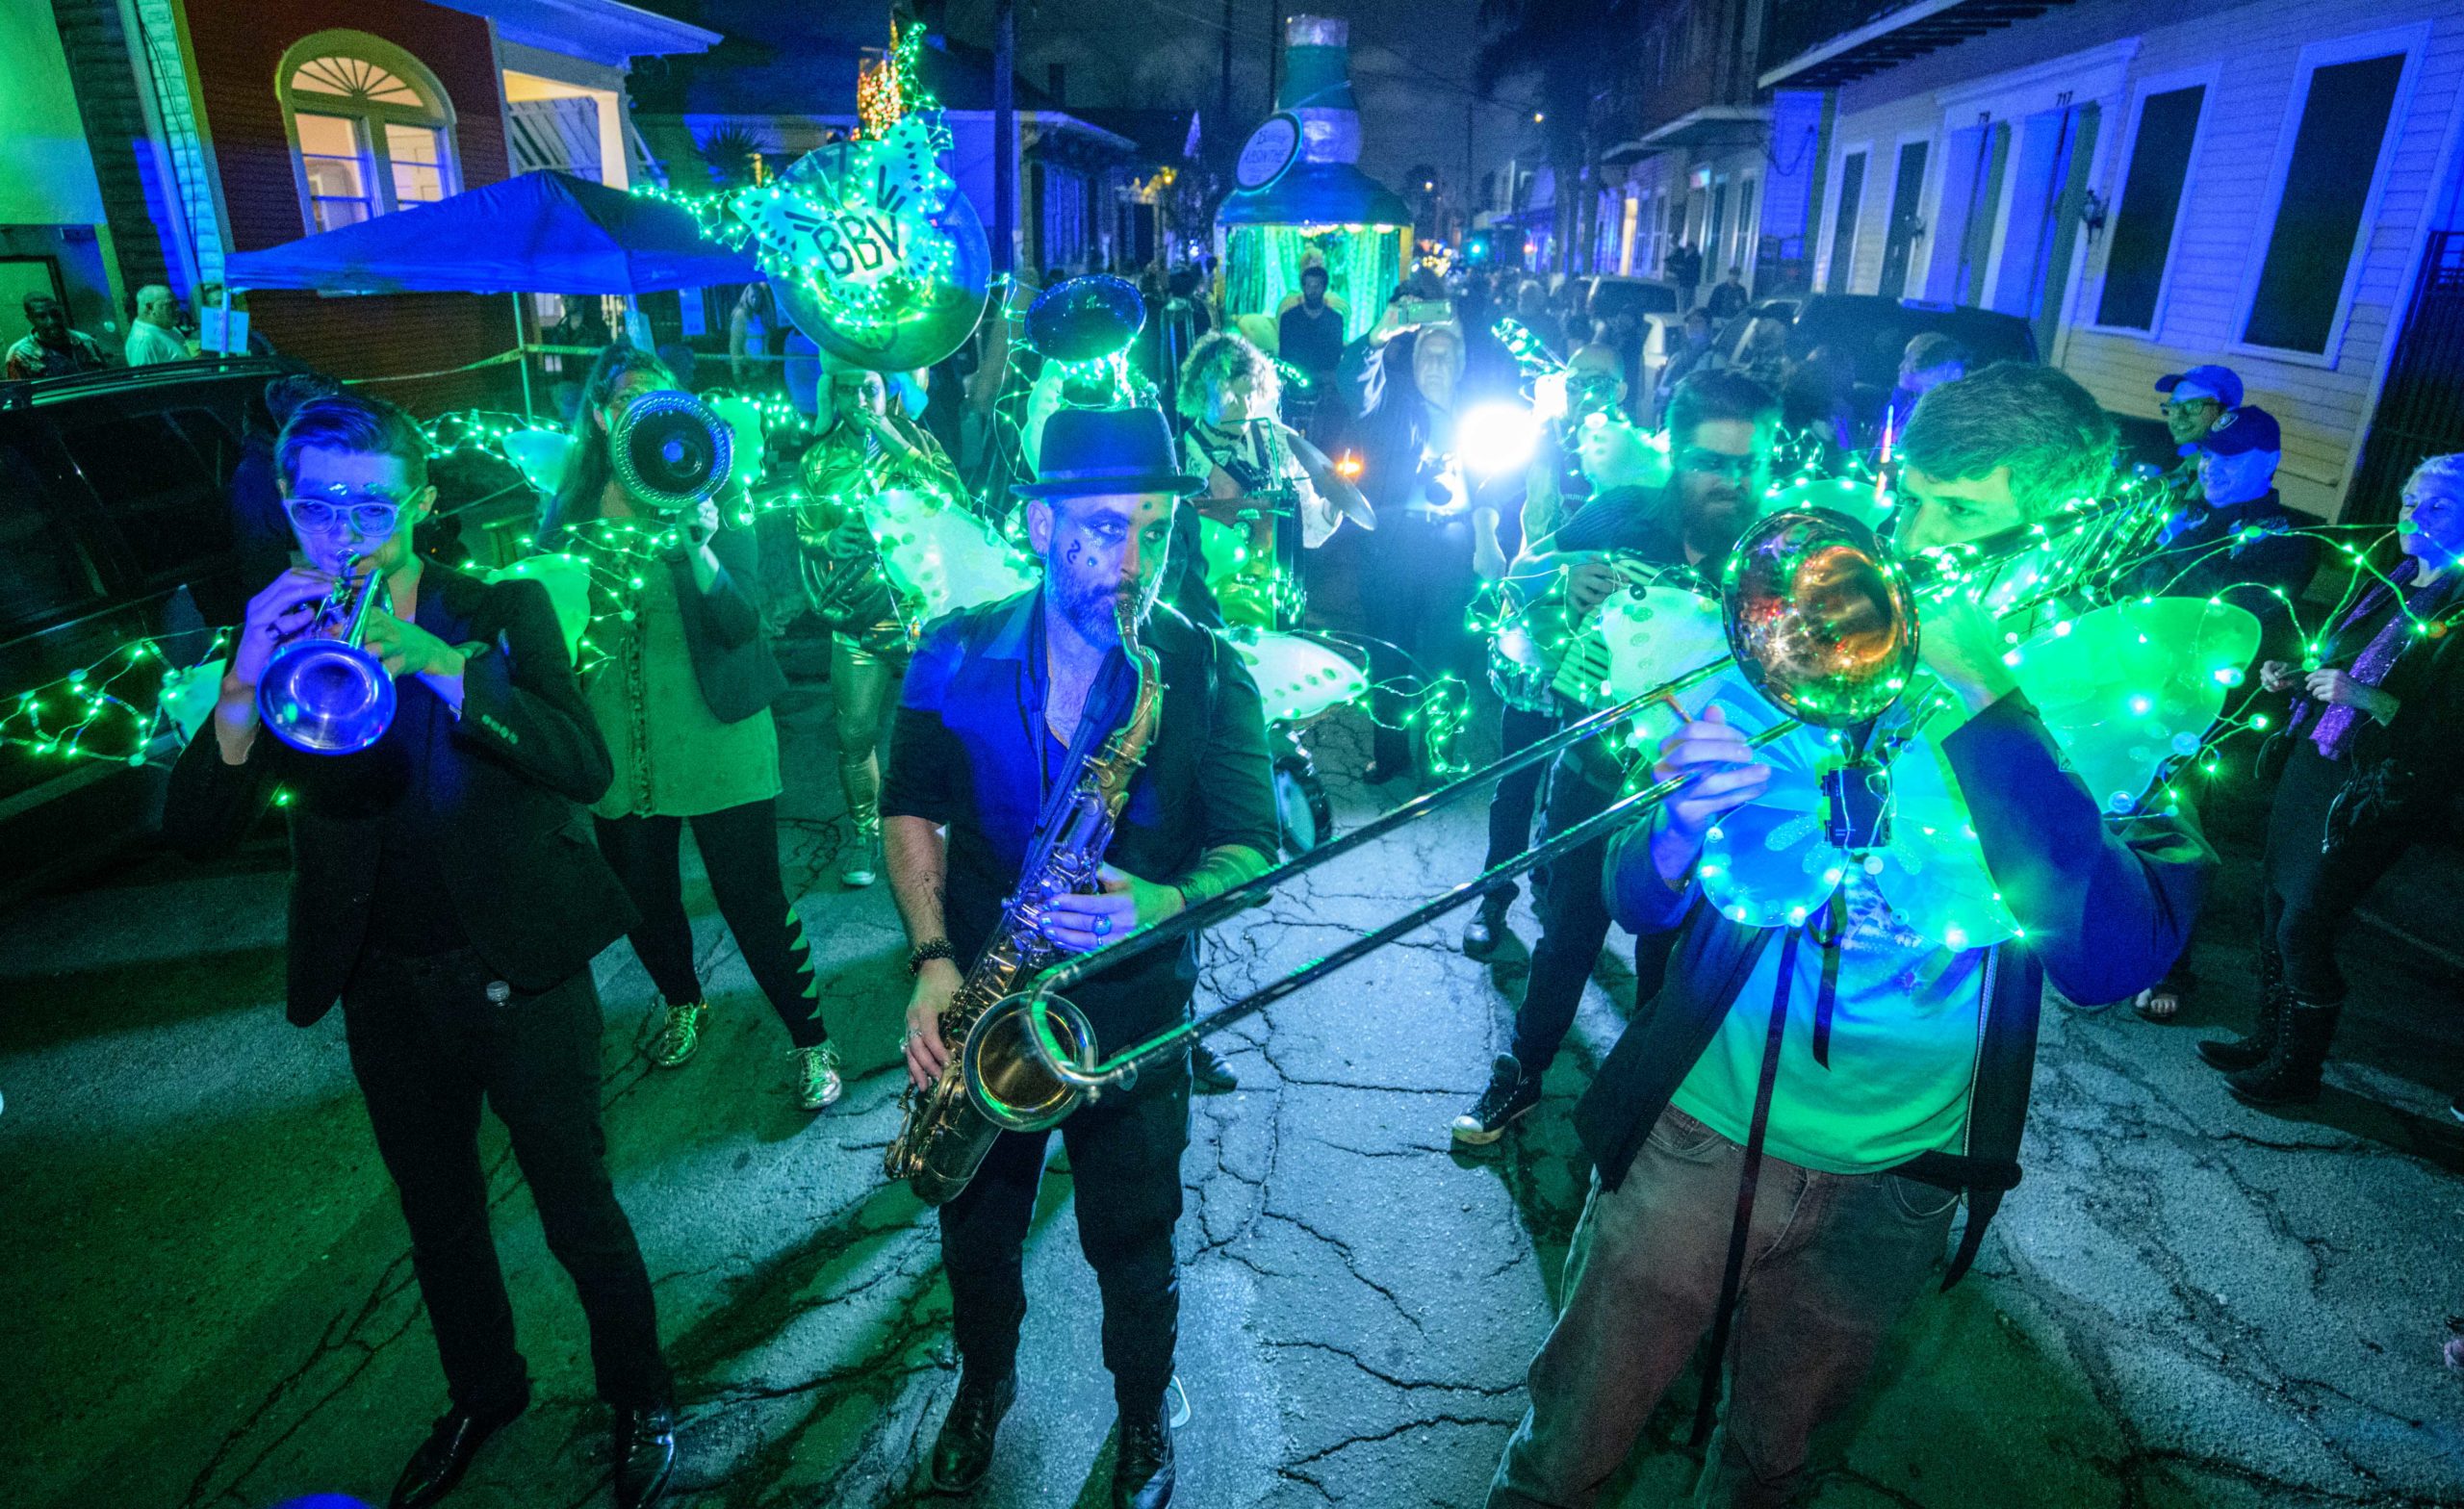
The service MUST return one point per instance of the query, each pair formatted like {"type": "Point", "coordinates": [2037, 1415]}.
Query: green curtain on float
{"type": "Point", "coordinates": [1363, 266]}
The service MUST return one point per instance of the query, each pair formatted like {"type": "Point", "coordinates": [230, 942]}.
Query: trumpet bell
{"type": "Point", "coordinates": [1009, 1080]}
{"type": "Point", "coordinates": [671, 451]}
{"type": "Point", "coordinates": [1820, 617]}
{"type": "Point", "coordinates": [326, 697]}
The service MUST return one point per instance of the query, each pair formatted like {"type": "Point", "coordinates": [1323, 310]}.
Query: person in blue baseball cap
{"type": "Point", "coordinates": [2196, 400]}
{"type": "Point", "coordinates": [2234, 539]}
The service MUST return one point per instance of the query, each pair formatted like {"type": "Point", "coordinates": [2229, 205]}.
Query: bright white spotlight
{"type": "Point", "coordinates": [1497, 437]}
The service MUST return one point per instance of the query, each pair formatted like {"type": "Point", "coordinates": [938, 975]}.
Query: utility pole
{"type": "Point", "coordinates": [1274, 54]}
{"type": "Point", "coordinates": [1223, 103]}
{"type": "Point", "coordinates": [1005, 138]}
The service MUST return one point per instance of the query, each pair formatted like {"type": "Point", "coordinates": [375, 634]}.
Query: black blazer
{"type": "Point", "coordinates": [731, 660]}
{"type": "Point", "coordinates": [498, 793]}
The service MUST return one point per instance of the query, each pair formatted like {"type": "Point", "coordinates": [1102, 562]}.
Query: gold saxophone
{"type": "Point", "coordinates": [948, 1127]}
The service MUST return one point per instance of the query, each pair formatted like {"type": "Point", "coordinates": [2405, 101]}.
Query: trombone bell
{"type": "Point", "coordinates": [1006, 1074]}
{"type": "Point", "coordinates": [1820, 618]}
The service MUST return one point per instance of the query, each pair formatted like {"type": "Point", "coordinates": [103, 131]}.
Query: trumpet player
{"type": "Point", "coordinates": [446, 892]}
{"type": "Point", "coordinates": [868, 447]}
{"type": "Point", "coordinates": [1780, 1143]}
{"type": "Point", "coordinates": [999, 698]}
{"type": "Point", "coordinates": [683, 691]}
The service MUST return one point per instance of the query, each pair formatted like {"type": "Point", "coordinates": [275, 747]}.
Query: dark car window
{"type": "Point", "coordinates": [43, 574]}
{"type": "Point", "coordinates": [160, 478]}
{"type": "Point", "coordinates": [1610, 299]}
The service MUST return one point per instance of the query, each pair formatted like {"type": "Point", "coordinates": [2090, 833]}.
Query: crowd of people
{"type": "Point", "coordinates": [1781, 1137]}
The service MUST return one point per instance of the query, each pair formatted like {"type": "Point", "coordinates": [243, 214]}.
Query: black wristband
{"type": "Point", "coordinates": [926, 952]}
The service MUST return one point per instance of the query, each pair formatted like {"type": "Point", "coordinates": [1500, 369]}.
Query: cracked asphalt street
{"type": "Point", "coordinates": [206, 1301]}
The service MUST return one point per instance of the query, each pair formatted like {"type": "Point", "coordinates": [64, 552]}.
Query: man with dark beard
{"type": "Point", "coordinates": [1720, 431]}
{"type": "Point", "coordinates": [1001, 702]}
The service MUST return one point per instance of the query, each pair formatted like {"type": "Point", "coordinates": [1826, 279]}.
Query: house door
{"type": "Point", "coordinates": [1906, 191]}
{"type": "Point", "coordinates": [2421, 411]}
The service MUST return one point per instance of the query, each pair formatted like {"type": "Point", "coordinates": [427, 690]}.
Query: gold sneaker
{"type": "Point", "coordinates": [861, 863]}
{"type": "Point", "coordinates": [680, 1035]}
{"type": "Point", "coordinates": [818, 1084]}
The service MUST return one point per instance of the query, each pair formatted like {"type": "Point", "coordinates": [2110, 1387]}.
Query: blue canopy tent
{"type": "Point", "coordinates": [539, 233]}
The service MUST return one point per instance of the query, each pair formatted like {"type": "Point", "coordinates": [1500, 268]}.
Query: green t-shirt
{"type": "Point", "coordinates": [1905, 1027]}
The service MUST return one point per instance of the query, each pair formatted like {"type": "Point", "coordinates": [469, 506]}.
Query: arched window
{"type": "Point", "coordinates": [370, 130]}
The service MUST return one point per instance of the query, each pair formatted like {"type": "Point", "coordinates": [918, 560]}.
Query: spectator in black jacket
{"type": "Point", "coordinates": [2373, 747]}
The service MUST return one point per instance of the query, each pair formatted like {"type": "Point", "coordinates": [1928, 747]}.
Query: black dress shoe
{"type": "Point", "coordinates": [644, 1453]}
{"type": "Point", "coordinates": [964, 1452]}
{"type": "Point", "coordinates": [445, 1454]}
{"type": "Point", "coordinates": [1208, 1074]}
{"type": "Point", "coordinates": [1486, 930]}
{"type": "Point", "coordinates": [1143, 1463]}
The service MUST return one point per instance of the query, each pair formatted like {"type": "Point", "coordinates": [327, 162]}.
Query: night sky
{"type": "Point", "coordinates": [1411, 68]}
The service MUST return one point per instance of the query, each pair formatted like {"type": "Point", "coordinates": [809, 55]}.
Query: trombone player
{"type": "Point", "coordinates": [445, 889]}
{"type": "Point", "coordinates": [1779, 1141]}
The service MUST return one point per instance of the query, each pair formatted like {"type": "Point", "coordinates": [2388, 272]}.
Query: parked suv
{"type": "Point", "coordinates": [114, 528]}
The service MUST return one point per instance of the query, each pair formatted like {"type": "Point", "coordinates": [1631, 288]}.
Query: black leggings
{"type": "Point", "coordinates": [1517, 796]}
{"type": "Point", "coordinates": [2308, 894]}
{"type": "Point", "coordinates": [741, 853]}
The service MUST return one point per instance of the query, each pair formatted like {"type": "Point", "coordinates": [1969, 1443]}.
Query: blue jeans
{"type": "Point", "coordinates": [1831, 1260]}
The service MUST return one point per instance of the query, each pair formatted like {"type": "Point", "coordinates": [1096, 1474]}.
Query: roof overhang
{"type": "Point", "coordinates": [1908, 33]}
{"type": "Point", "coordinates": [603, 31]}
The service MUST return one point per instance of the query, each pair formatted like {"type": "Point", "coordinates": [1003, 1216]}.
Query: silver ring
{"type": "Point", "coordinates": [1103, 925]}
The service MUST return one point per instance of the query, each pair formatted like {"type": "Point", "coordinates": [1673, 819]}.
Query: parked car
{"type": "Point", "coordinates": [1874, 331]}
{"type": "Point", "coordinates": [114, 529]}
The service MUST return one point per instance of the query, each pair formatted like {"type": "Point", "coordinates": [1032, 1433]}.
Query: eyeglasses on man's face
{"type": "Point", "coordinates": [371, 513]}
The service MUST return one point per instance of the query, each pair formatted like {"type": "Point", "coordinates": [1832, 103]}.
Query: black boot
{"type": "Point", "coordinates": [1487, 928]}
{"type": "Point", "coordinates": [1143, 1461]}
{"type": "Point", "coordinates": [644, 1446]}
{"type": "Point", "coordinates": [2258, 1046]}
{"type": "Point", "coordinates": [2291, 1075]}
{"type": "Point", "coordinates": [964, 1452]}
{"type": "Point", "coordinates": [445, 1454]}
{"type": "Point", "coordinates": [1210, 1075]}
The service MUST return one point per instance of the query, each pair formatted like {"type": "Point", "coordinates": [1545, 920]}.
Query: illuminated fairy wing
{"type": "Point", "coordinates": [1648, 637]}
{"type": "Point", "coordinates": [541, 456]}
{"type": "Point", "coordinates": [567, 578]}
{"type": "Point", "coordinates": [940, 558]}
{"type": "Point", "coordinates": [2122, 690]}
{"type": "Point", "coordinates": [2130, 685]}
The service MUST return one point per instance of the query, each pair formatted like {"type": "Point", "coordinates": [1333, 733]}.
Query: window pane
{"type": "Point", "coordinates": [337, 173]}
{"type": "Point", "coordinates": [1843, 227]}
{"type": "Point", "coordinates": [328, 136]}
{"type": "Point", "coordinates": [418, 176]}
{"type": "Point", "coordinates": [42, 572]}
{"type": "Point", "coordinates": [162, 489]}
{"type": "Point", "coordinates": [2335, 156]}
{"type": "Point", "coordinates": [2152, 202]}
{"type": "Point", "coordinates": [353, 77]}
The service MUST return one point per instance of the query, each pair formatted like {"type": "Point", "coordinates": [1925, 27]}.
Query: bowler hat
{"type": "Point", "coordinates": [1087, 452]}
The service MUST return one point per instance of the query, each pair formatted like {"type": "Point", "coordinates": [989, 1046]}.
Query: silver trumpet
{"type": "Point", "coordinates": [324, 694]}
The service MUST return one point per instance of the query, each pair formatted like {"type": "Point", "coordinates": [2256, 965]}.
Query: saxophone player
{"type": "Point", "coordinates": [868, 448]}
{"type": "Point", "coordinates": [997, 702]}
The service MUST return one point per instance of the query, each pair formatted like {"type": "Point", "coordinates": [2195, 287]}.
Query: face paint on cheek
{"type": "Point", "coordinates": [1076, 552]}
